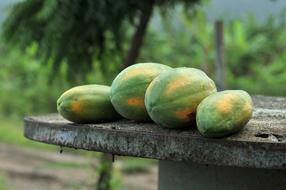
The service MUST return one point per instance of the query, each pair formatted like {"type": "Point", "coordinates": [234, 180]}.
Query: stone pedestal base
{"type": "Point", "coordinates": [191, 176]}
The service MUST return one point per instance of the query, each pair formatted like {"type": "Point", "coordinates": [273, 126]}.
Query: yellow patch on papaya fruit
{"type": "Point", "coordinates": [247, 108]}
{"type": "Point", "coordinates": [185, 113]}
{"type": "Point", "coordinates": [174, 85]}
{"type": "Point", "coordinates": [136, 101]}
{"type": "Point", "coordinates": [138, 71]}
{"type": "Point", "coordinates": [225, 105]}
{"type": "Point", "coordinates": [77, 106]}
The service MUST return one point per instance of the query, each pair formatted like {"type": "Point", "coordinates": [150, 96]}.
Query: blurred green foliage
{"type": "Point", "coordinates": [65, 165]}
{"type": "Point", "coordinates": [4, 185]}
{"type": "Point", "coordinates": [25, 85]}
{"type": "Point", "coordinates": [255, 57]}
{"type": "Point", "coordinates": [136, 165]}
{"type": "Point", "coordinates": [255, 52]}
{"type": "Point", "coordinates": [77, 32]}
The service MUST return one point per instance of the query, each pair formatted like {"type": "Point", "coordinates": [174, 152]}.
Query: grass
{"type": "Point", "coordinates": [12, 132]}
{"type": "Point", "coordinates": [129, 165]}
{"type": "Point", "coordinates": [134, 165]}
{"type": "Point", "coordinates": [65, 165]}
{"type": "Point", "coordinates": [3, 184]}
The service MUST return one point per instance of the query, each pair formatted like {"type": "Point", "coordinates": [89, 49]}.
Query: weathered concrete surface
{"type": "Point", "coordinates": [193, 176]}
{"type": "Point", "coordinates": [261, 144]}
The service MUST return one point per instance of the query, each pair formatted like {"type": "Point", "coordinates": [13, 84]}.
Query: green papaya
{"type": "Point", "coordinates": [87, 104]}
{"type": "Point", "coordinates": [224, 113]}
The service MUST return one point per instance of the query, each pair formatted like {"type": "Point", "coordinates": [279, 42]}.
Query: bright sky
{"type": "Point", "coordinates": [262, 9]}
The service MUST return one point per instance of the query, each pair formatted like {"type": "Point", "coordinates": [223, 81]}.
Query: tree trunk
{"type": "Point", "coordinates": [138, 37]}
{"type": "Point", "coordinates": [220, 62]}
{"type": "Point", "coordinates": [105, 172]}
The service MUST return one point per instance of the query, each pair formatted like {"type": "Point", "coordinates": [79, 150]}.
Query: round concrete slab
{"type": "Point", "coordinates": [261, 144]}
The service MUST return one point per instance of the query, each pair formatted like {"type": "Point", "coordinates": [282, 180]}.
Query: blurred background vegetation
{"type": "Point", "coordinates": [34, 70]}
{"type": "Point", "coordinates": [255, 56]}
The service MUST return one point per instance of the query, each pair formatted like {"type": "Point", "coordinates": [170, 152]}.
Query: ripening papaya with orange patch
{"type": "Point", "coordinates": [87, 104]}
{"type": "Point", "coordinates": [179, 82]}
{"type": "Point", "coordinates": [172, 99]}
{"type": "Point", "coordinates": [225, 105]}
{"type": "Point", "coordinates": [137, 71]}
{"type": "Point", "coordinates": [185, 113]}
{"type": "Point", "coordinates": [224, 113]}
{"type": "Point", "coordinates": [77, 106]}
{"type": "Point", "coordinates": [247, 108]}
{"type": "Point", "coordinates": [134, 72]}
{"type": "Point", "coordinates": [129, 87]}
{"type": "Point", "coordinates": [136, 101]}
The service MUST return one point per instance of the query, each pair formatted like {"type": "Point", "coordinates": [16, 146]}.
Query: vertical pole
{"type": "Point", "coordinates": [105, 172]}
{"type": "Point", "coordinates": [220, 67]}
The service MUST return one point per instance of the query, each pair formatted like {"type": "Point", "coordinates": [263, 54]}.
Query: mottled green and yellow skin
{"type": "Point", "coordinates": [87, 104]}
{"type": "Point", "coordinates": [172, 98]}
{"type": "Point", "coordinates": [128, 89]}
{"type": "Point", "coordinates": [224, 113]}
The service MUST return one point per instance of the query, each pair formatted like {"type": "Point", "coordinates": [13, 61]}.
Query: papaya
{"type": "Point", "coordinates": [171, 98]}
{"type": "Point", "coordinates": [87, 104]}
{"type": "Point", "coordinates": [129, 87]}
{"type": "Point", "coordinates": [224, 113]}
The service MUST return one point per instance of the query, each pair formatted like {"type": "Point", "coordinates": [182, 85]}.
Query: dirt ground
{"type": "Point", "coordinates": [33, 169]}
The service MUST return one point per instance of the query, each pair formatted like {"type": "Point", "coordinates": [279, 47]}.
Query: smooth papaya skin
{"type": "Point", "coordinates": [87, 104]}
{"type": "Point", "coordinates": [172, 98]}
{"type": "Point", "coordinates": [129, 87]}
{"type": "Point", "coordinates": [224, 113]}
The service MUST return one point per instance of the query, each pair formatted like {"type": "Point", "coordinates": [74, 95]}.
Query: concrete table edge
{"type": "Point", "coordinates": [129, 138]}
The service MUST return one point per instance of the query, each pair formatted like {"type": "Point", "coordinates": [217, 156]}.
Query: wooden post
{"type": "Point", "coordinates": [220, 67]}
{"type": "Point", "coordinates": [105, 172]}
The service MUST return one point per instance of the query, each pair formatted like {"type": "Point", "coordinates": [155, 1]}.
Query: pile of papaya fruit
{"type": "Point", "coordinates": [175, 98]}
